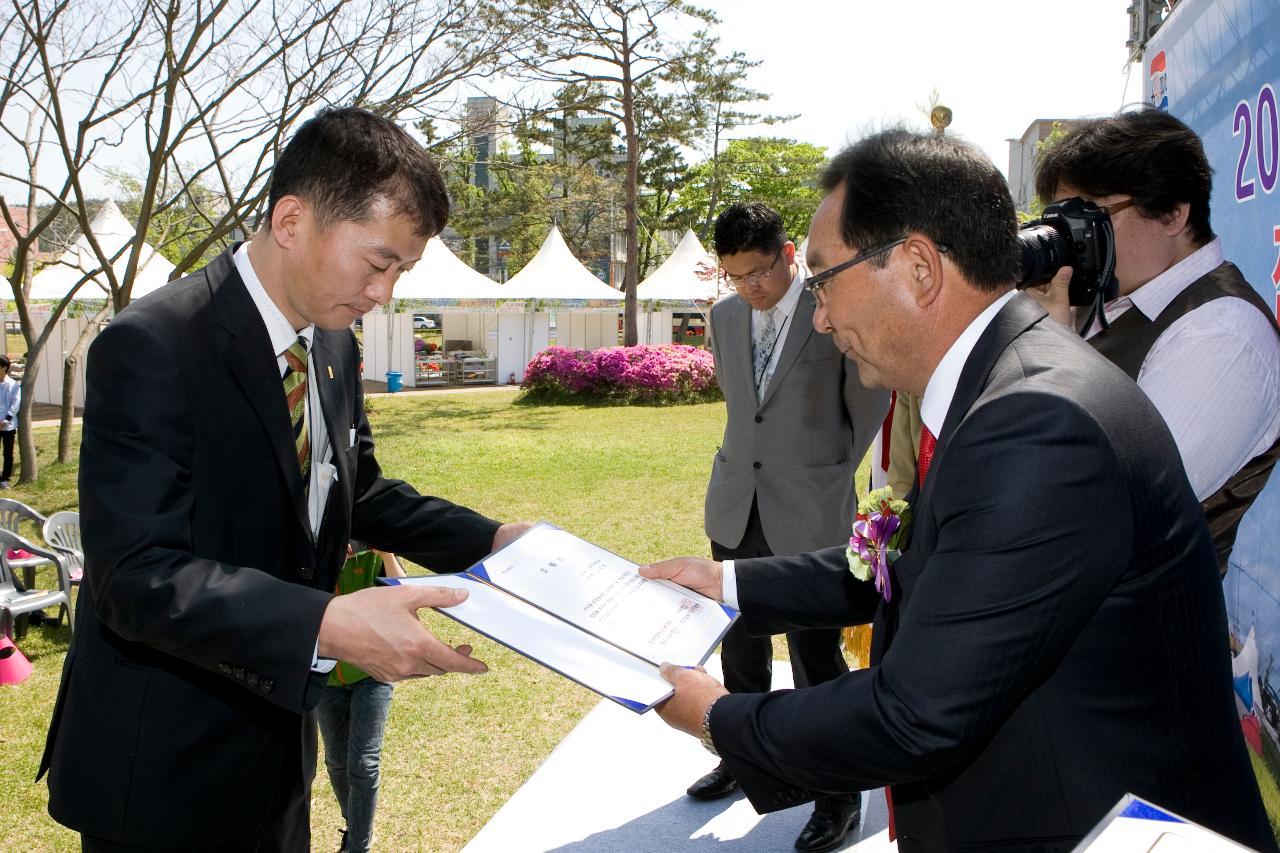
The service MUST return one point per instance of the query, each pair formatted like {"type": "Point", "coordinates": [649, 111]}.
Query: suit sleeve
{"type": "Point", "coordinates": [1034, 527]}
{"type": "Point", "coordinates": [139, 487]}
{"type": "Point", "coordinates": [715, 346]}
{"type": "Point", "coordinates": [796, 593]}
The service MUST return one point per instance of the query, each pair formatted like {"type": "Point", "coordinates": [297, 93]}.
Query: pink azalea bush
{"type": "Point", "coordinates": [639, 374]}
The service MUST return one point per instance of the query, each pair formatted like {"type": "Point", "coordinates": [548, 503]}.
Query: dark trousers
{"type": "Point", "coordinates": [6, 446]}
{"type": "Point", "coordinates": [748, 661]}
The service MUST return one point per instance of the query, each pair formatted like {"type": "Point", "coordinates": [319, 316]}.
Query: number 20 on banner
{"type": "Point", "coordinates": [1257, 126]}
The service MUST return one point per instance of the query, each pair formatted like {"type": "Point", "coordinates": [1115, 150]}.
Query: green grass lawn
{"type": "Point", "coordinates": [631, 479]}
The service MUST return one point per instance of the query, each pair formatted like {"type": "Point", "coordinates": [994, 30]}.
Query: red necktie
{"type": "Point", "coordinates": [927, 444]}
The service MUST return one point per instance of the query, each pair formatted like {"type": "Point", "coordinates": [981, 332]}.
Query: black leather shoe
{"type": "Point", "coordinates": [829, 826]}
{"type": "Point", "coordinates": [716, 784]}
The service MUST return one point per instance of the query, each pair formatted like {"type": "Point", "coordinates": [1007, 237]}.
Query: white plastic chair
{"type": "Point", "coordinates": [12, 514]}
{"type": "Point", "coordinates": [15, 602]}
{"type": "Point", "coordinates": [62, 531]}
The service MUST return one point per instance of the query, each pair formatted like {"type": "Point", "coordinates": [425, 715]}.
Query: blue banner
{"type": "Point", "coordinates": [1216, 65]}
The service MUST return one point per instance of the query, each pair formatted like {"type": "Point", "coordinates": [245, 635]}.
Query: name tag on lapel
{"type": "Point", "coordinates": [351, 438]}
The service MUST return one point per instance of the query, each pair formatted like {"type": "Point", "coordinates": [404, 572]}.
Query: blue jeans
{"type": "Point", "coordinates": [352, 721]}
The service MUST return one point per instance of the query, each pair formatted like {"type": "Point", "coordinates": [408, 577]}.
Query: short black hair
{"type": "Point", "coordinates": [345, 159]}
{"type": "Point", "coordinates": [898, 182]}
{"type": "Point", "coordinates": [748, 226]}
{"type": "Point", "coordinates": [4, 362]}
{"type": "Point", "coordinates": [1143, 153]}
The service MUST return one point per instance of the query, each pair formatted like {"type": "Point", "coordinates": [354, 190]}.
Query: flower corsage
{"type": "Point", "coordinates": [878, 530]}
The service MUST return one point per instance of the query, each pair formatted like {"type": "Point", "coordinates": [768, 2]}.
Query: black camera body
{"type": "Point", "coordinates": [1071, 233]}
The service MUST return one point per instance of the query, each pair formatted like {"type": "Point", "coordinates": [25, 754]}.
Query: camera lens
{"type": "Point", "coordinates": [1044, 251]}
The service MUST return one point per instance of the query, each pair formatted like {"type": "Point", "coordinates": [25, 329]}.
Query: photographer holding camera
{"type": "Point", "coordinates": [1180, 320]}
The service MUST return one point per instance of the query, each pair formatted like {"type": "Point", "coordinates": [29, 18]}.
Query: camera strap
{"type": "Point", "coordinates": [1097, 310]}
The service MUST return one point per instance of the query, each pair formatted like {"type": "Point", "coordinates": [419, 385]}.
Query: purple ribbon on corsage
{"type": "Point", "coordinates": [870, 540]}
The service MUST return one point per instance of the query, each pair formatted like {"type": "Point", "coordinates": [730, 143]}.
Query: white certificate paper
{"type": "Point", "coordinates": [587, 614]}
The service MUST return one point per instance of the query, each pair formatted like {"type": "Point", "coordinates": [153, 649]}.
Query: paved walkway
{"type": "Point", "coordinates": [617, 783]}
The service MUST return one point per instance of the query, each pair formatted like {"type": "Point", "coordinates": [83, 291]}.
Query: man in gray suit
{"type": "Point", "coordinates": [799, 422]}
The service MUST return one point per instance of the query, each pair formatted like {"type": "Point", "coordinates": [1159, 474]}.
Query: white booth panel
{"type": "Point", "coordinates": [540, 334]}
{"type": "Point", "coordinates": [53, 357]}
{"type": "Point", "coordinates": [588, 330]}
{"type": "Point", "coordinates": [513, 343]}
{"type": "Point", "coordinates": [655, 327]}
{"type": "Point", "coordinates": [388, 345]}
{"type": "Point", "coordinates": [478, 330]}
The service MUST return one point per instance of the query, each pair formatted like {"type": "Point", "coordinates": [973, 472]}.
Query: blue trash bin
{"type": "Point", "coordinates": [394, 381]}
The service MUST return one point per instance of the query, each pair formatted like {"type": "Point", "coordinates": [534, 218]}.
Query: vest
{"type": "Point", "coordinates": [1126, 343]}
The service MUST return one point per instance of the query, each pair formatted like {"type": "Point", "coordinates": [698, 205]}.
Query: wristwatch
{"type": "Point", "coordinates": [705, 738]}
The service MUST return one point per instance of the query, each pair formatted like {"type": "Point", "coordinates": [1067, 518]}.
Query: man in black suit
{"type": "Point", "coordinates": [1053, 634]}
{"type": "Point", "coordinates": [226, 461]}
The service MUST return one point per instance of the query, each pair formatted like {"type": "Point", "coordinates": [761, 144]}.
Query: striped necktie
{"type": "Point", "coordinates": [295, 395]}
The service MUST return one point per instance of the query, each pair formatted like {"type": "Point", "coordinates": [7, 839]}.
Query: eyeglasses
{"type": "Point", "coordinates": [756, 277]}
{"type": "Point", "coordinates": [815, 283]}
{"type": "Point", "coordinates": [1116, 206]}
{"type": "Point", "coordinates": [1109, 209]}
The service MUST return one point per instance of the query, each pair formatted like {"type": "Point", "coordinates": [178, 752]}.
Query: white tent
{"type": "Point", "coordinates": [555, 274]}
{"type": "Point", "coordinates": [113, 233]}
{"type": "Point", "coordinates": [677, 280]}
{"type": "Point", "coordinates": [440, 275]}
{"type": "Point", "coordinates": [690, 276]}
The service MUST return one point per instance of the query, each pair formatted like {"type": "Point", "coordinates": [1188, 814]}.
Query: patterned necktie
{"type": "Point", "coordinates": [762, 347]}
{"type": "Point", "coordinates": [295, 395]}
{"type": "Point", "coordinates": [927, 444]}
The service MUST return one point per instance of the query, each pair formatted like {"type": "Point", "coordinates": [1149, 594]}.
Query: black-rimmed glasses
{"type": "Point", "coordinates": [815, 283]}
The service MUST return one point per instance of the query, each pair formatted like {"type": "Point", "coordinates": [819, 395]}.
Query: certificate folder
{"type": "Point", "coordinates": [585, 613]}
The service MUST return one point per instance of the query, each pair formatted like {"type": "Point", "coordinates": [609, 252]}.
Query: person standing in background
{"type": "Point", "coordinates": [1185, 325]}
{"type": "Point", "coordinates": [352, 715]}
{"type": "Point", "coordinates": [10, 399]}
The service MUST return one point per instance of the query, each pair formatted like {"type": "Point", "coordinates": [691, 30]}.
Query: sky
{"type": "Point", "coordinates": [850, 67]}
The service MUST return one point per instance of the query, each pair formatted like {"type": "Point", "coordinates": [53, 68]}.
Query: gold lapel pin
{"type": "Point", "coordinates": [330, 367]}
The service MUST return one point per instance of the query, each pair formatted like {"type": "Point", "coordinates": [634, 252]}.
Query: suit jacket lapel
{"type": "Point", "coordinates": [741, 347]}
{"type": "Point", "coordinates": [330, 370]}
{"type": "Point", "coordinates": [1011, 321]}
{"type": "Point", "coordinates": [246, 350]}
{"type": "Point", "coordinates": [797, 337]}
{"type": "Point", "coordinates": [1020, 314]}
